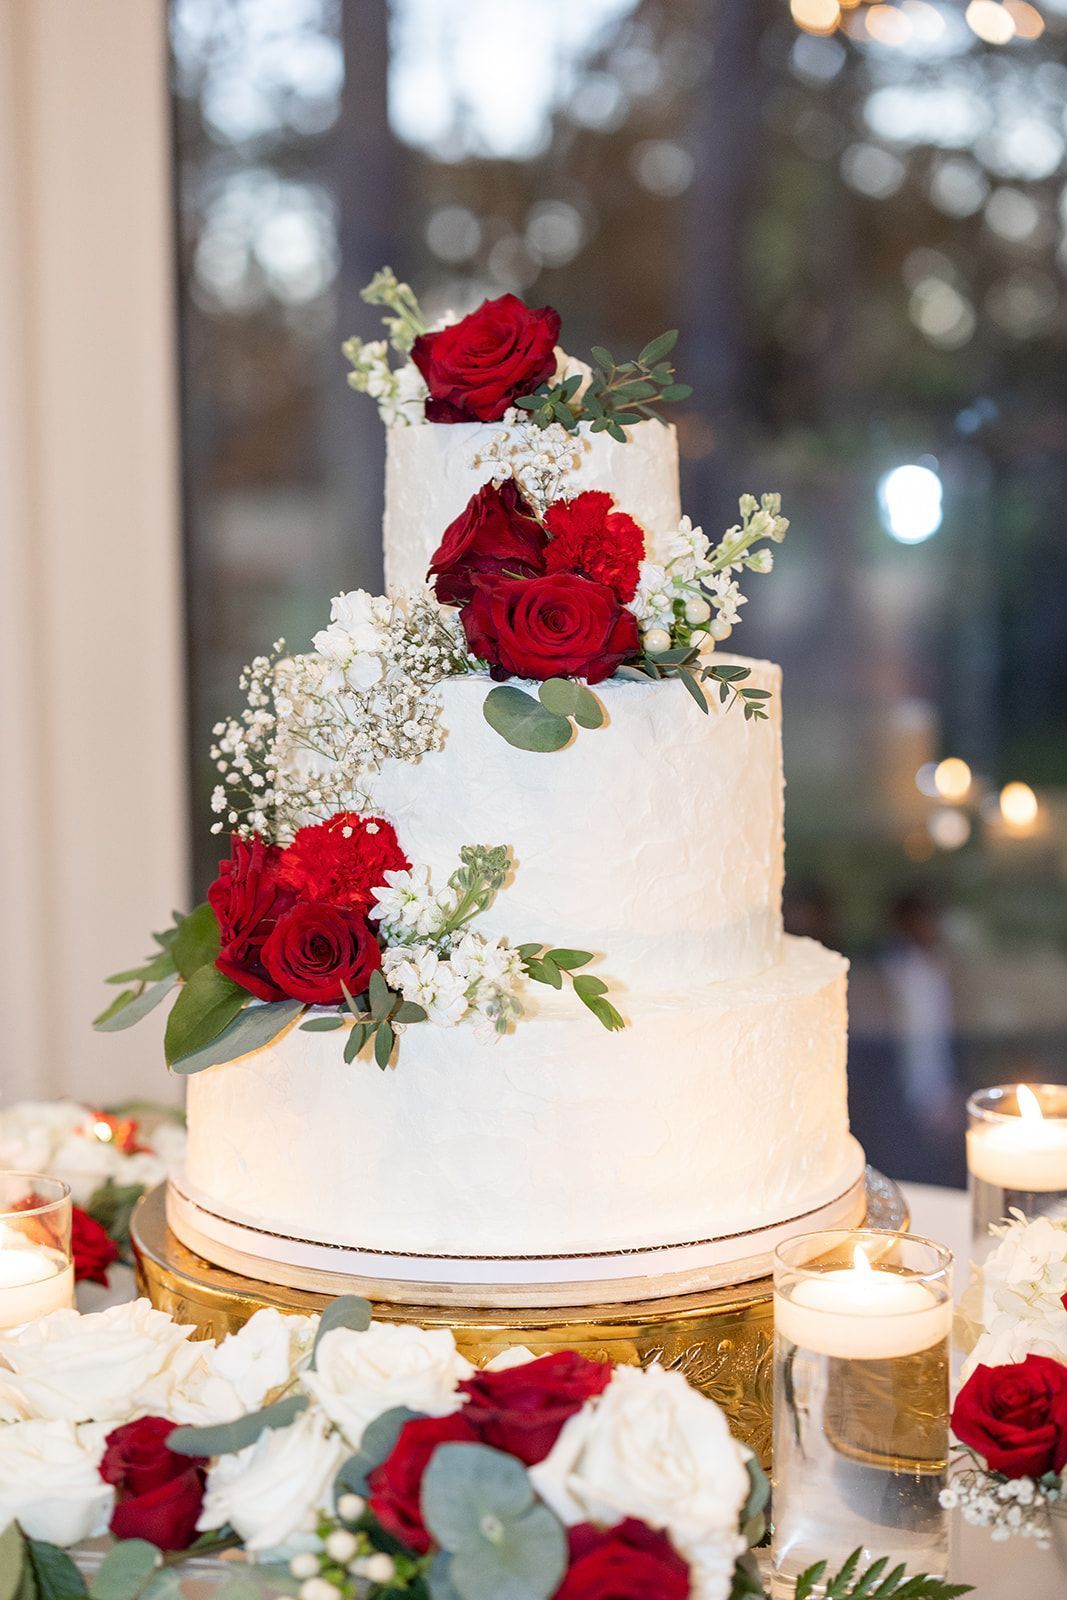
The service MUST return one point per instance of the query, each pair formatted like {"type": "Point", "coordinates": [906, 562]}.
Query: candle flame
{"type": "Point", "coordinates": [1029, 1105]}
{"type": "Point", "coordinates": [860, 1262]}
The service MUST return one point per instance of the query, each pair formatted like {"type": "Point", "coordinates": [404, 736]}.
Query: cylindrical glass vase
{"type": "Point", "coordinates": [861, 1401]}
{"type": "Point", "coordinates": [1016, 1155]}
{"type": "Point", "coordinates": [36, 1266]}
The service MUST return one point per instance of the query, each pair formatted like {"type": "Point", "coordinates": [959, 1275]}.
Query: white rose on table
{"type": "Point", "coordinates": [107, 1367]}
{"type": "Point", "coordinates": [359, 1375]}
{"type": "Point", "coordinates": [271, 1493]}
{"type": "Point", "coordinates": [32, 1131]}
{"type": "Point", "coordinates": [652, 1447]}
{"type": "Point", "coordinates": [242, 1372]}
{"type": "Point", "coordinates": [49, 1482]}
{"type": "Point", "coordinates": [1009, 1341]}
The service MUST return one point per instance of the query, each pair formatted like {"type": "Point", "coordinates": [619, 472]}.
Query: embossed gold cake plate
{"type": "Point", "coordinates": [721, 1338]}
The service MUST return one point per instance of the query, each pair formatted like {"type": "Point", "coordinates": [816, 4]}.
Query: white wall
{"type": "Point", "coordinates": [92, 764]}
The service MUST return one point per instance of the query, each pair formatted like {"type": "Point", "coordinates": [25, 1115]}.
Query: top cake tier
{"type": "Point", "coordinates": [431, 473]}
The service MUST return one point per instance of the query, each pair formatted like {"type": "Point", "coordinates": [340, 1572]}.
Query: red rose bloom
{"type": "Point", "coordinates": [589, 536]}
{"type": "Point", "coordinates": [521, 1409]}
{"type": "Point", "coordinates": [396, 1485]}
{"type": "Point", "coordinates": [247, 899]}
{"type": "Point", "coordinates": [341, 861]}
{"type": "Point", "coordinates": [314, 949]}
{"type": "Point", "coordinates": [628, 1562]}
{"type": "Point", "coordinates": [557, 626]}
{"type": "Point", "coordinates": [496, 535]}
{"type": "Point", "coordinates": [1015, 1417]}
{"type": "Point", "coordinates": [92, 1247]}
{"type": "Point", "coordinates": [478, 367]}
{"type": "Point", "coordinates": [159, 1493]}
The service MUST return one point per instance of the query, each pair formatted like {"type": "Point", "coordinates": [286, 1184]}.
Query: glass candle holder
{"type": "Point", "coordinates": [36, 1267]}
{"type": "Point", "coordinates": [861, 1401]}
{"type": "Point", "coordinates": [1016, 1155]}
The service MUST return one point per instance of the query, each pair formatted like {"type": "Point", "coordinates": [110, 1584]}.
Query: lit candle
{"type": "Point", "coordinates": [33, 1281]}
{"type": "Point", "coordinates": [1026, 1152]}
{"type": "Point", "coordinates": [862, 1313]}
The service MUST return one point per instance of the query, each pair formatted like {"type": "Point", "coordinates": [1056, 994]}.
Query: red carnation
{"type": "Point", "coordinates": [589, 536]}
{"type": "Point", "coordinates": [340, 861]}
{"type": "Point", "coordinates": [314, 949]}
{"type": "Point", "coordinates": [395, 1486]}
{"type": "Point", "coordinates": [479, 366]}
{"type": "Point", "coordinates": [92, 1247]}
{"type": "Point", "coordinates": [159, 1493]}
{"type": "Point", "coordinates": [522, 1409]}
{"type": "Point", "coordinates": [247, 898]}
{"type": "Point", "coordinates": [1015, 1417]}
{"type": "Point", "coordinates": [628, 1562]}
{"type": "Point", "coordinates": [495, 535]}
{"type": "Point", "coordinates": [557, 626]}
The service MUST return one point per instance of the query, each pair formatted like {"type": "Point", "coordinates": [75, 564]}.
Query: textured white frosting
{"type": "Point", "coordinates": [429, 478]}
{"type": "Point", "coordinates": [655, 841]}
{"type": "Point", "coordinates": [716, 1110]}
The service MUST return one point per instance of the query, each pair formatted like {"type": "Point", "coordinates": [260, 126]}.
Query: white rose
{"type": "Point", "coordinates": [106, 1367]}
{"type": "Point", "coordinates": [32, 1130]}
{"type": "Point", "coordinates": [271, 1493]}
{"type": "Point", "coordinates": [85, 1162]}
{"type": "Point", "coordinates": [652, 1447]}
{"type": "Point", "coordinates": [1009, 1341]}
{"type": "Point", "coordinates": [49, 1480]}
{"type": "Point", "coordinates": [357, 1376]}
{"type": "Point", "coordinates": [239, 1375]}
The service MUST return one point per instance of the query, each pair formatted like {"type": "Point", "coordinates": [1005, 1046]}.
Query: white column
{"type": "Point", "coordinates": [92, 761]}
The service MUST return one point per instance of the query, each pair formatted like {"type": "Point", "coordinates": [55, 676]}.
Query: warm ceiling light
{"type": "Point", "coordinates": [952, 778]}
{"type": "Point", "coordinates": [1018, 805]}
{"type": "Point", "coordinates": [990, 21]}
{"type": "Point", "coordinates": [888, 25]}
{"type": "Point", "coordinates": [1029, 23]}
{"type": "Point", "coordinates": [816, 16]}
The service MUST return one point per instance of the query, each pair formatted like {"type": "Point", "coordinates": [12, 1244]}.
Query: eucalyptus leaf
{"type": "Point", "coordinates": [439, 1578]}
{"type": "Point", "coordinates": [527, 1562]}
{"type": "Point", "coordinates": [384, 1040]}
{"type": "Point", "coordinates": [129, 1007]}
{"type": "Point", "coordinates": [206, 1005]}
{"type": "Point", "coordinates": [226, 1438]}
{"type": "Point", "coordinates": [602, 357]}
{"type": "Point", "coordinates": [12, 1562]}
{"type": "Point", "coordinates": [381, 997]}
{"type": "Point", "coordinates": [378, 1441]}
{"type": "Point", "coordinates": [322, 1024]}
{"type": "Point", "coordinates": [570, 959]}
{"type": "Point", "coordinates": [408, 1012]}
{"type": "Point", "coordinates": [523, 721]}
{"type": "Point", "coordinates": [560, 696]}
{"type": "Point", "coordinates": [466, 1482]}
{"type": "Point", "coordinates": [676, 391]}
{"type": "Point", "coordinates": [127, 1569]}
{"type": "Point", "coordinates": [589, 713]}
{"type": "Point", "coordinates": [543, 970]}
{"type": "Point", "coordinates": [347, 1311]}
{"type": "Point", "coordinates": [694, 689]}
{"type": "Point", "coordinates": [196, 943]}
{"type": "Point", "coordinates": [528, 951]}
{"type": "Point", "coordinates": [54, 1573]}
{"type": "Point", "coordinates": [656, 349]}
{"type": "Point", "coordinates": [252, 1029]}
{"type": "Point", "coordinates": [361, 1032]}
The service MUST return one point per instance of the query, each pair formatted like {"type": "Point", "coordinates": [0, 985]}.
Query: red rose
{"type": "Point", "coordinates": [342, 860]}
{"type": "Point", "coordinates": [247, 899]}
{"type": "Point", "coordinates": [627, 1562]}
{"type": "Point", "coordinates": [553, 627]}
{"type": "Point", "coordinates": [496, 535]}
{"type": "Point", "coordinates": [92, 1247]}
{"type": "Point", "coordinates": [315, 949]}
{"type": "Point", "coordinates": [159, 1493]}
{"type": "Point", "coordinates": [478, 367]}
{"type": "Point", "coordinates": [521, 1409]}
{"type": "Point", "coordinates": [1015, 1417]}
{"type": "Point", "coordinates": [589, 536]}
{"type": "Point", "coordinates": [396, 1485]}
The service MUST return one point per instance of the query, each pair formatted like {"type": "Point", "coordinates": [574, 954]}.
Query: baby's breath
{"type": "Point", "coordinates": [540, 460]}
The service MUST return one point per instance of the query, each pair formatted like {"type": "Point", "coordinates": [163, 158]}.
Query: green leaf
{"type": "Point", "coordinates": [226, 1438]}
{"type": "Point", "coordinates": [206, 1005]}
{"type": "Point", "coordinates": [656, 349]}
{"type": "Point", "coordinates": [569, 959]}
{"type": "Point", "coordinates": [589, 713]}
{"type": "Point", "coordinates": [602, 357]}
{"type": "Point", "coordinates": [347, 1311]}
{"type": "Point", "coordinates": [545, 970]}
{"type": "Point", "coordinates": [528, 951]}
{"type": "Point", "coordinates": [439, 1578]}
{"type": "Point", "coordinates": [112, 1205]}
{"type": "Point", "coordinates": [353, 1005]}
{"type": "Point", "coordinates": [251, 1030]}
{"type": "Point", "coordinates": [381, 997]}
{"type": "Point", "coordinates": [361, 1032]}
{"type": "Point", "coordinates": [479, 1505]}
{"type": "Point", "coordinates": [384, 1040]}
{"type": "Point", "coordinates": [55, 1575]}
{"type": "Point", "coordinates": [591, 991]}
{"type": "Point", "coordinates": [694, 689]}
{"type": "Point", "coordinates": [127, 1569]}
{"type": "Point", "coordinates": [12, 1562]}
{"type": "Point", "coordinates": [407, 1012]}
{"type": "Point", "coordinates": [523, 721]}
{"type": "Point", "coordinates": [676, 391]}
{"type": "Point", "coordinates": [560, 696]}
{"type": "Point", "coordinates": [378, 1442]}
{"type": "Point", "coordinates": [130, 1007]}
{"type": "Point", "coordinates": [196, 943]}
{"type": "Point", "coordinates": [161, 965]}
{"type": "Point", "coordinates": [322, 1024]}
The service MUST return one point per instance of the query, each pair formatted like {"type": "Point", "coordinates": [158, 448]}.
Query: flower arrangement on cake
{"type": "Point", "coordinates": [348, 1457]}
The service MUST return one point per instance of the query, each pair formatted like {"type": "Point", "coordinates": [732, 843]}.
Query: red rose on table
{"type": "Point", "coordinates": [1015, 1417]}
{"type": "Point", "coordinates": [522, 1409]}
{"type": "Point", "coordinates": [159, 1493]}
{"type": "Point", "coordinates": [92, 1247]}
{"type": "Point", "coordinates": [396, 1485]}
{"type": "Point", "coordinates": [627, 1562]}
{"type": "Point", "coordinates": [314, 949]}
{"type": "Point", "coordinates": [591, 537]}
{"type": "Point", "coordinates": [247, 899]}
{"type": "Point", "coordinates": [495, 535]}
{"type": "Point", "coordinates": [552, 627]}
{"type": "Point", "coordinates": [479, 366]}
{"type": "Point", "coordinates": [342, 860]}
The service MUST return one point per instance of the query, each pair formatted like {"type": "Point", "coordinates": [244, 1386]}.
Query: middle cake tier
{"type": "Point", "coordinates": [654, 841]}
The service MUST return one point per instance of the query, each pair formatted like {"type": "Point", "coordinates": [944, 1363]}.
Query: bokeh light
{"type": "Point", "coordinates": [816, 16]}
{"type": "Point", "coordinates": [910, 499]}
{"type": "Point", "coordinates": [991, 21]}
{"type": "Point", "coordinates": [953, 778]}
{"type": "Point", "coordinates": [949, 829]}
{"type": "Point", "coordinates": [1018, 806]}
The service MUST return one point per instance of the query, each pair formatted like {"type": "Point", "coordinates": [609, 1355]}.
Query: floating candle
{"type": "Point", "coordinates": [862, 1312]}
{"type": "Point", "coordinates": [33, 1282]}
{"type": "Point", "coordinates": [1025, 1152]}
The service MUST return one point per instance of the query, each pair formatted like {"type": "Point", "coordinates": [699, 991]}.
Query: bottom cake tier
{"type": "Point", "coordinates": [689, 1140]}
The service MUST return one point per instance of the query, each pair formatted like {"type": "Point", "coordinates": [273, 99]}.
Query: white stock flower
{"type": "Point", "coordinates": [358, 1376]}
{"type": "Point", "coordinates": [1010, 1340]}
{"type": "Point", "coordinates": [241, 1373]}
{"type": "Point", "coordinates": [652, 1447]}
{"type": "Point", "coordinates": [407, 904]}
{"type": "Point", "coordinates": [494, 975]}
{"type": "Point", "coordinates": [406, 400]}
{"type": "Point", "coordinates": [108, 1366]}
{"type": "Point", "coordinates": [425, 979]}
{"type": "Point", "coordinates": [271, 1493]}
{"type": "Point", "coordinates": [50, 1483]}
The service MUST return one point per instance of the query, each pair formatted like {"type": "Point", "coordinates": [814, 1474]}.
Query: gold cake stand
{"type": "Point", "coordinates": [721, 1340]}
